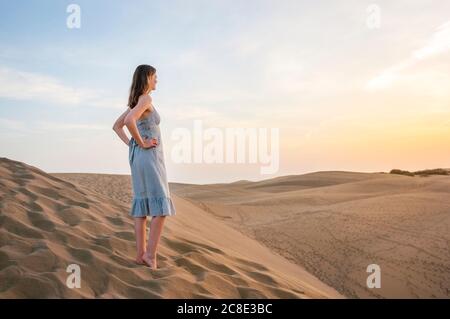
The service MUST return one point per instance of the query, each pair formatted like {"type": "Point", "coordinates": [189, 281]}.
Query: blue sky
{"type": "Point", "coordinates": [313, 69]}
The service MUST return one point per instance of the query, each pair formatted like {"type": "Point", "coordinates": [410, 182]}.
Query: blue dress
{"type": "Point", "coordinates": [151, 195]}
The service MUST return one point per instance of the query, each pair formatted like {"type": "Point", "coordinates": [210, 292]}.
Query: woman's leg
{"type": "Point", "coordinates": [156, 226]}
{"type": "Point", "coordinates": [139, 229]}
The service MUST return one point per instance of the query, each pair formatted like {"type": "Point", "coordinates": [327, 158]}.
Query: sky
{"type": "Point", "coordinates": [349, 85]}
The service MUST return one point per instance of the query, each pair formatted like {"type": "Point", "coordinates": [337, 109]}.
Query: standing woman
{"type": "Point", "coordinates": [151, 195]}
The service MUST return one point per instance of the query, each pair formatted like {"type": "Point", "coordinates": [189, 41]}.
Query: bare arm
{"type": "Point", "coordinates": [144, 103]}
{"type": "Point", "coordinates": [118, 127]}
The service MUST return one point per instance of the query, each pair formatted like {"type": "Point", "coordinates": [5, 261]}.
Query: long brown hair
{"type": "Point", "coordinates": [140, 83]}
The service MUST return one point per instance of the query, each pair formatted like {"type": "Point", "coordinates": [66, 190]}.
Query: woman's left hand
{"type": "Point", "coordinates": [148, 143]}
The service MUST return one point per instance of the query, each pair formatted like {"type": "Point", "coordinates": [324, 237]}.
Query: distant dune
{"type": "Point", "coordinates": [50, 221]}
{"type": "Point", "coordinates": [337, 223]}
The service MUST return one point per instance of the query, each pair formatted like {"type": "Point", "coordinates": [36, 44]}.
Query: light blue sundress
{"type": "Point", "coordinates": [151, 194]}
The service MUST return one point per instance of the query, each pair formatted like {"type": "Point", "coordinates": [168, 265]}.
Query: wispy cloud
{"type": "Point", "coordinates": [439, 43]}
{"type": "Point", "coordinates": [22, 85]}
{"type": "Point", "coordinates": [58, 126]}
{"type": "Point", "coordinates": [46, 126]}
{"type": "Point", "coordinates": [13, 125]}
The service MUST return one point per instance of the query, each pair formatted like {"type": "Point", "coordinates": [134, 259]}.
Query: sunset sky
{"type": "Point", "coordinates": [344, 94]}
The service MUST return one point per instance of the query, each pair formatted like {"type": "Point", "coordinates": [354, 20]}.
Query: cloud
{"type": "Point", "coordinates": [58, 126]}
{"type": "Point", "coordinates": [14, 125]}
{"type": "Point", "coordinates": [21, 85]}
{"type": "Point", "coordinates": [438, 43]}
{"type": "Point", "coordinates": [45, 126]}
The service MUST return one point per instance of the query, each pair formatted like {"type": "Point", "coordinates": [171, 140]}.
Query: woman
{"type": "Point", "coordinates": [151, 195]}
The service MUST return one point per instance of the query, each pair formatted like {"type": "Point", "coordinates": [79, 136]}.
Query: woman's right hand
{"type": "Point", "coordinates": [148, 143]}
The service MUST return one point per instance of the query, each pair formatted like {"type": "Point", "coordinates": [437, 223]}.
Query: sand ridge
{"type": "Point", "coordinates": [47, 223]}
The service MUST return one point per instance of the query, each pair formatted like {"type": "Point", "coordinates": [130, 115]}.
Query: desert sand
{"type": "Point", "coordinates": [49, 221]}
{"type": "Point", "coordinates": [336, 223]}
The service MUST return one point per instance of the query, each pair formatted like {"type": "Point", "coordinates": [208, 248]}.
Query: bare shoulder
{"type": "Point", "coordinates": [145, 101]}
{"type": "Point", "coordinates": [145, 98]}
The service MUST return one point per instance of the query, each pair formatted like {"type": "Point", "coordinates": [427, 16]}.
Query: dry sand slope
{"type": "Point", "coordinates": [337, 223]}
{"type": "Point", "coordinates": [47, 223]}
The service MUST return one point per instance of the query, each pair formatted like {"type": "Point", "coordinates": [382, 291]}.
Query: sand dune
{"type": "Point", "coordinates": [337, 223]}
{"type": "Point", "coordinates": [50, 221]}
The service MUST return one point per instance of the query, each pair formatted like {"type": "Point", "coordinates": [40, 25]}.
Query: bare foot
{"type": "Point", "coordinates": [139, 259]}
{"type": "Point", "coordinates": [150, 261]}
